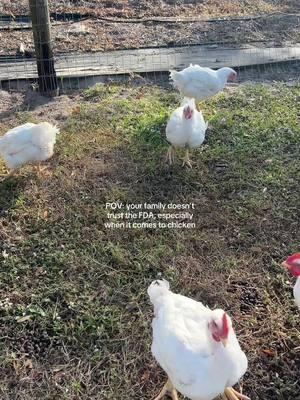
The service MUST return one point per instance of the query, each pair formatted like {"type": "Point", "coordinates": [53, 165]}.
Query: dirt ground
{"type": "Point", "coordinates": [93, 34]}
{"type": "Point", "coordinates": [90, 35]}
{"type": "Point", "coordinates": [56, 111]}
{"type": "Point", "coordinates": [168, 8]}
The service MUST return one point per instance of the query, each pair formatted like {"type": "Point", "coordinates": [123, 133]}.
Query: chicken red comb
{"type": "Point", "coordinates": [294, 259]}
{"type": "Point", "coordinates": [292, 263]}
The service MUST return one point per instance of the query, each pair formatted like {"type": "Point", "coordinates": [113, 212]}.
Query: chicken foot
{"type": "Point", "coordinates": [186, 160]}
{"type": "Point", "coordinates": [170, 157]}
{"type": "Point", "coordinates": [232, 394]}
{"type": "Point", "coordinates": [39, 168]}
{"type": "Point", "coordinates": [168, 390]}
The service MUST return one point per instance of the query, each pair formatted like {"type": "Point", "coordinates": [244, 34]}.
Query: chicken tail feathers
{"type": "Point", "coordinates": [157, 289]}
{"type": "Point", "coordinates": [173, 74]}
{"type": "Point", "coordinates": [176, 77]}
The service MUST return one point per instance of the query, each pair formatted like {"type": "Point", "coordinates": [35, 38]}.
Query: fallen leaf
{"type": "Point", "coordinates": [145, 376]}
{"type": "Point", "coordinates": [28, 363]}
{"type": "Point", "coordinates": [76, 110]}
{"type": "Point", "coordinates": [57, 369]}
{"type": "Point", "coordinates": [24, 319]}
{"type": "Point", "coordinates": [269, 352]}
{"type": "Point", "coordinates": [40, 271]}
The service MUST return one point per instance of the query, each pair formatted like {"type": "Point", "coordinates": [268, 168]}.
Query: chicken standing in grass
{"type": "Point", "coordinates": [195, 346]}
{"type": "Point", "coordinates": [28, 143]}
{"type": "Point", "coordinates": [292, 263]}
{"type": "Point", "coordinates": [186, 128]}
{"type": "Point", "coordinates": [200, 83]}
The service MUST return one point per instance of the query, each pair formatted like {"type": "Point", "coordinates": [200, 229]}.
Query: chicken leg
{"type": "Point", "coordinates": [39, 168]}
{"type": "Point", "coordinates": [170, 157]}
{"type": "Point", "coordinates": [232, 394]}
{"type": "Point", "coordinates": [168, 390]}
{"type": "Point", "coordinates": [186, 160]}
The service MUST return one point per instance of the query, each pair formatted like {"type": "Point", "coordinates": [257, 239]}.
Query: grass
{"type": "Point", "coordinates": [75, 318]}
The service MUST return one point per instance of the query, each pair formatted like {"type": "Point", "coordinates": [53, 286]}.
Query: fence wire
{"type": "Point", "coordinates": [95, 40]}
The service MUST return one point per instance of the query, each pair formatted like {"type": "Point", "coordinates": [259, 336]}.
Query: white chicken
{"type": "Point", "coordinates": [292, 263]}
{"type": "Point", "coordinates": [200, 83]}
{"type": "Point", "coordinates": [185, 128]}
{"type": "Point", "coordinates": [195, 346]}
{"type": "Point", "coordinates": [28, 143]}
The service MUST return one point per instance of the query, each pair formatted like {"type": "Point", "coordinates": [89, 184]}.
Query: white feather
{"type": "Point", "coordinates": [28, 143]}
{"type": "Point", "coordinates": [198, 366]}
{"type": "Point", "coordinates": [200, 83]}
{"type": "Point", "coordinates": [297, 292]}
{"type": "Point", "coordinates": [182, 132]}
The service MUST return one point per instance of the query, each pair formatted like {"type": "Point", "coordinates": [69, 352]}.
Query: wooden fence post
{"type": "Point", "coordinates": [48, 83]}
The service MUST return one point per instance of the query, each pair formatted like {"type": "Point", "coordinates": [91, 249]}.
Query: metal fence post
{"type": "Point", "coordinates": [40, 16]}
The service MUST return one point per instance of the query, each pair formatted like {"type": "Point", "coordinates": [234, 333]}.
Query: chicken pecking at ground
{"type": "Point", "coordinates": [28, 143]}
{"type": "Point", "coordinates": [292, 263]}
{"type": "Point", "coordinates": [201, 83]}
{"type": "Point", "coordinates": [185, 128]}
{"type": "Point", "coordinates": [196, 347]}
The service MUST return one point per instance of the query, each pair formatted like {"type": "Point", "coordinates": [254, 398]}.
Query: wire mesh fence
{"type": "Point", "coordinates": [93, 40]}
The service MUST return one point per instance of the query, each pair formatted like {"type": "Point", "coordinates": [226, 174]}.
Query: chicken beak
{"type": "Point", "coordinates": [224, 341]}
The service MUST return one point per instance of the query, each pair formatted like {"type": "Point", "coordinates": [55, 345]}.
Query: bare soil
{"type": "Point", "coordinates": [94, 34]}
{"type": "Point", "coordinates": [91, 35]}
{"type": "Point", "coordinates": [168, 8]}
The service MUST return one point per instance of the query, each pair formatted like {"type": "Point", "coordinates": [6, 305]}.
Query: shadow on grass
{"type": "Point", "coordinates": [10, 189]}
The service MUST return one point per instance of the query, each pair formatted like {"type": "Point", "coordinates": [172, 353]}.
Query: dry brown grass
{"type": "Point", "coordinates": [181, 8]}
